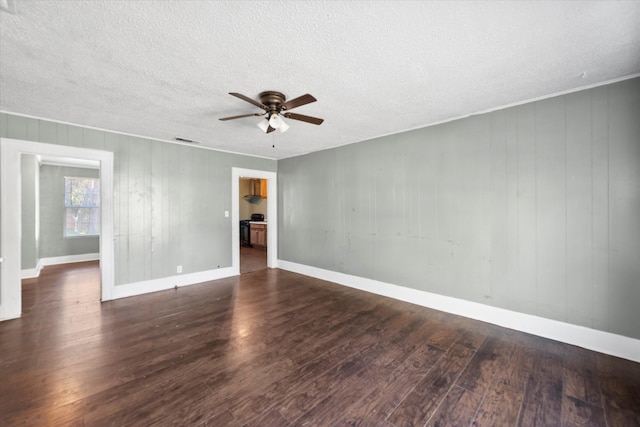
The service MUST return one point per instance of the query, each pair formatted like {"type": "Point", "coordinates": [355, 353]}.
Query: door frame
{"type": "Point", "coordinates": [272, 215]}
{"type": "Point", "coordinates": [11, 217]}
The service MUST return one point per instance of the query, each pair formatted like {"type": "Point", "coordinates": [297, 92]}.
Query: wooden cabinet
{"type": "Point", "coordinates": [258, 234]}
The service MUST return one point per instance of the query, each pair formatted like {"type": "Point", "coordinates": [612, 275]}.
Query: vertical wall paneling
{"type": "Point", "coordinates": [498, 212]}
{"type": "Point", "coordinates": [48, 130]}
{"type": "Point", "coordinates": [534, 208]}
{"type": "Point", "coordinates": [579, 208]}
{"type": "Point", "coordinates": [33, 130]}
{"type": "Point", "coordinates": [111, 142]}
{"type": "Point", "coordinates": [624, 207]}
{"type": "Point", "coordinates": [4, 126]}
{"type": "Point", "coordinates": [122, 247]}
{"type": "Point", "coordinates": [93, 138]}
{"type": "Point", "coordinates": [156, 211]}
{"type": "Point", "coordinates": [512, 194]}
{"type": "Point", "coordinates": [551, 208]}
{"type": "Point", "coordinates": [600, 208]}
{"type": "Point", "coordinates": [17, 128]}
{"type": "Point", "coordinates": [169, 199]}
{"type": "Point", "coordinates": [29, 189]}
{"type": "Point", "coordinates": [137, 168]}
{"type": "Point", "coordinates": [429, 197]}
{"type": "Point", "coordinates": [75, 136]}
{"type": "Point", "coordinates": [525, 206]}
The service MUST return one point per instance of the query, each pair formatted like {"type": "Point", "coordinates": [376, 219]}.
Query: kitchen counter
{"type": "Point", "coordinates": [258, 222]}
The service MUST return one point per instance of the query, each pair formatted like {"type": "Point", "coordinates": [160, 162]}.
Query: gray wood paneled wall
{"type": "Point", "coordinates": [534, 208]}
{"type": "Point", "coordinates": [169, 199]}
{"type": "Point", "coordinates": [29, 169]}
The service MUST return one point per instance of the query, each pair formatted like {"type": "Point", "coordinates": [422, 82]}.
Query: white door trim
{"type": "Point", "coordinates": [272, 215]}
{"type": "Point", "coordinates": [11, 217]}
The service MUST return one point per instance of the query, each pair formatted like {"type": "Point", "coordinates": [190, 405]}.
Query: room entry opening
{"type": "Point", "coordinates": [254, 200]}
{"type": "Point", "coordinates": [254, 216]}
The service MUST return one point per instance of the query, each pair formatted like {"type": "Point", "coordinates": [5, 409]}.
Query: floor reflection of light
{"type": "Point", "coordinates": [72, 349]}
{"type": "Point", "coordinates": [243, 323]}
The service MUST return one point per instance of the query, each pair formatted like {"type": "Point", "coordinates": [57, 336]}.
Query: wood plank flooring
{"type": "Point", "coordinates": [274, 348]}
{"type": "Point", "coordinates": [252, 259]}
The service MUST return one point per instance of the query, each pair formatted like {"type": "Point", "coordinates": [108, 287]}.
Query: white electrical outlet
{"type": "Point", "coordinates": [179, 269]}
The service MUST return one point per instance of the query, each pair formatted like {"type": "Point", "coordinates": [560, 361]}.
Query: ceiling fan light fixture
{"type": "Point", "coordinates": [273, 104]}
{"type": "Point", "coordinates": [263, 124]}
{"type": "Point", "coordinates": [283, 125]}
{"type": "Point", "coordinates": [276, 122]}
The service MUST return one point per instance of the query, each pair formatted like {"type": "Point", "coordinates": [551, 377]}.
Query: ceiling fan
{"type": "Point", "coordinates": [275, 106]}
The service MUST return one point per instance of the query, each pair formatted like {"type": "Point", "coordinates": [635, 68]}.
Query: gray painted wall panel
{"type": "Point", "coordinates": [18, 126]}
{"type": "Point", "coordinates": [525, 204]}
{"type": "Point", "coordinates": [551, 208]}
{"type": "Point", "coordinates": [497, 212]}
{"type": "Point", "coordinates": [579, 208]}
{"type": "Point", "coordinates": [535, 208]}
{"type": "Point", "coordinates": [157, 213]}
{"type": "Point", "coordinates": [513, 292]}
{"type": "Point", "coordinates": [600, 208]}
{"type": "Point", "coordinates": [29, 187]}
{"type": "Point", "coordinates": [624, 150]}
{"type": "Point", "coordinates": [169, 199]}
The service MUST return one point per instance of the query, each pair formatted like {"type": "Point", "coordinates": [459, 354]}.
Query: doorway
{"type": "Point", "coordinates": [271, 223]}
{"type": "Point", "coordinates": [254, 226]}
{"type": "Point", "coordinates": [11, 219]}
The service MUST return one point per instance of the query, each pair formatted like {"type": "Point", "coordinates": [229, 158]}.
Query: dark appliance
{"type": "Point", "coordinates": [245, 235]}
{"type": "Point", "coordinates": [245, 229]}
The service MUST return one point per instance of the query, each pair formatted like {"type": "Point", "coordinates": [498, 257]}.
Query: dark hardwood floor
{"type": "Point", "coordinates": [274, 348]}
{"type": "Point", "coordinates": [252, 259]}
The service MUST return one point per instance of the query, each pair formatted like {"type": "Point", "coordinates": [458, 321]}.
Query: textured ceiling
{"type": "Point", "coordinates": [163, 69]}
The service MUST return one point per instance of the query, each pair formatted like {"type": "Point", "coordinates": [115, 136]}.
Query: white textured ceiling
{"type": "Point", "coordinates": [163, 69]}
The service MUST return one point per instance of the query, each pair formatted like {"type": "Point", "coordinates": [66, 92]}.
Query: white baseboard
{"type": "Point", "coordinates": [67, 259]}
{"type": "Point", "coordinates": [592, 339]}
{"type": "Point", "coordinates": [162, 284]}
{"type": "Point", "coordinates": [32, 273]}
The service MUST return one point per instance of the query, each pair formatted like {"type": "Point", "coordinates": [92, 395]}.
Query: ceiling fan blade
{"type": "Point", "coordinates": [303, 118]}
{"type": "Point", "coordinates": [249, 100]}
{"type": "Point", "coordinates": [270, 129]}
{"type": "Point", "coordinates": [239, 117]}
{"type": "Point", "coordinates": [299, 101]}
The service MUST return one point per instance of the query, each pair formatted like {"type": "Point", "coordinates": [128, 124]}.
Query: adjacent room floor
{"type": "Point", "coordinates": [274, 348]}
{"type": "Point", "coordinates": [252, 259]}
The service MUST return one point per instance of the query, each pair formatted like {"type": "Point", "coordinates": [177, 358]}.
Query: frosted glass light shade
{"type": "Point", "coordinates": [277, 122]}
{"type": "Point", "coordinates": [283, 125]}
{"type": "Point", "coordinates": [263, 124]}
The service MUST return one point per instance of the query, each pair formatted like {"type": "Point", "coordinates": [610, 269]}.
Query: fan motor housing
{"type": "Point", "coordinates": [272, 99]}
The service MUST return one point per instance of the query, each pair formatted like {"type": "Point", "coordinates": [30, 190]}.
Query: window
{"type": "Point", "coordinates": [82, 207]}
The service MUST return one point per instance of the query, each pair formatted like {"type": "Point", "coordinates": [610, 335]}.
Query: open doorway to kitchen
{"type": "Point", "coordinates": [253, 201]}
{"type": "Point", "coordinates": [254, 220]}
